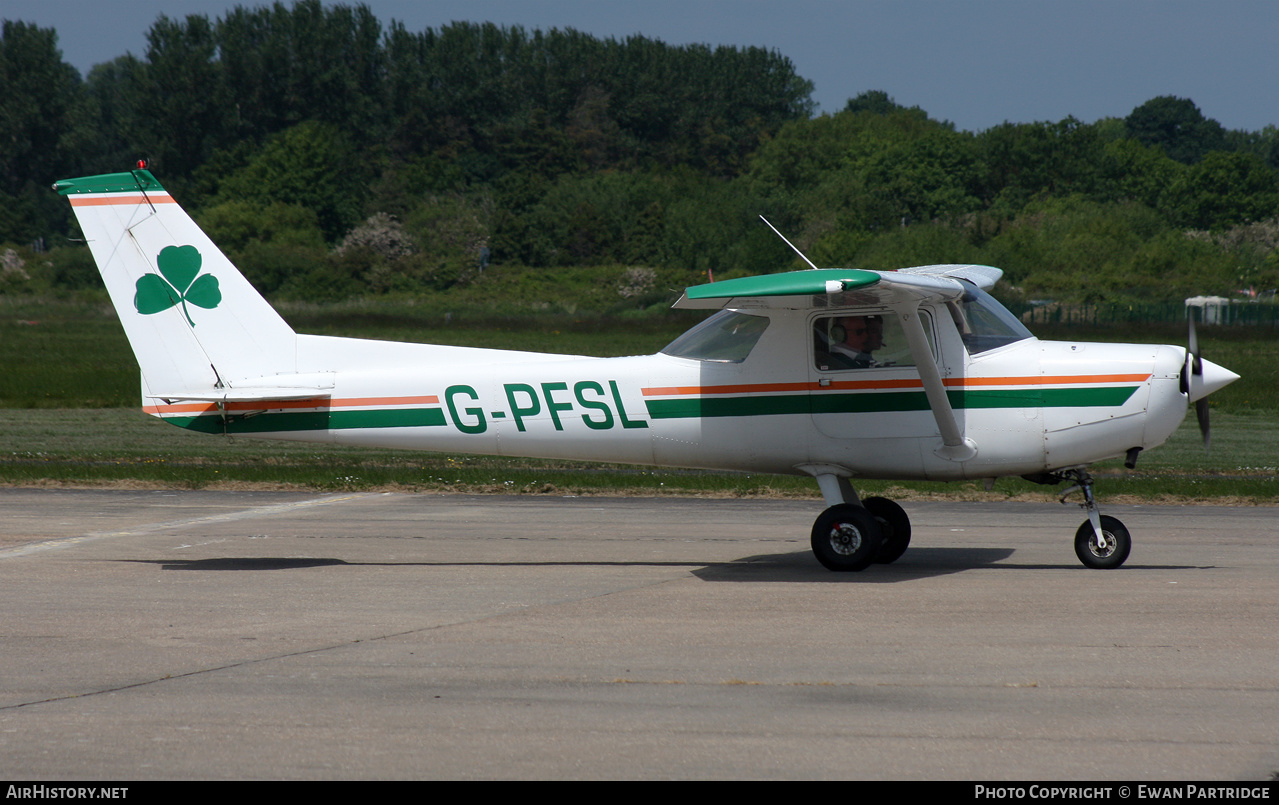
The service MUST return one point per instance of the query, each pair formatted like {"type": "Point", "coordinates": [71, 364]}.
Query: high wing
{"type": "Point", "coordinates": [902, 291]}
{"type": "Point", "coordinates": [840, 287]}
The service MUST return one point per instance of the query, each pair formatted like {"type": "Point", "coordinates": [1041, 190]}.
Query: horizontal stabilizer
{"type": "Point", "coordinates": [256, 395]}
{"type": "Point", "coordinates": [279, 387]}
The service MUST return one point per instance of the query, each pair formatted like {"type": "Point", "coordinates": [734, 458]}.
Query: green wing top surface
{"type": "Point", "coordinates": [840, 287]}
{"type": "Point", "coordinates": [792, 283]}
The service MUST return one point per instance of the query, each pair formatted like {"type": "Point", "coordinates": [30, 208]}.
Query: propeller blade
{"type": "Point", "coordinates": [1199, 378]}
{"type": "Point", "coordinates": [1201, 411]}
{"type": "Point", "coordinates": [1194, 369]}
{"type": "Point", "coordinates": [1192, 345]}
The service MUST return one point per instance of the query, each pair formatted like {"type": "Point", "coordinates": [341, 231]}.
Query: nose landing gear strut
{"type": "Point", "coordinates": [1102, 542]}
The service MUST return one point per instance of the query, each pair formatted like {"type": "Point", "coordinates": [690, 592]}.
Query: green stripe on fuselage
{"type": "Point", "coordinates": [282, 422]}
{"type": "Point", "coordinates": [875, 402]}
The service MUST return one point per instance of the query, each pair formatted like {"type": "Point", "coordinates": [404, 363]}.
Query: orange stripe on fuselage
{"type": "Point", "coordinates": [111, 201]}
{"type": "Point", "coordinates": [316, 402]}
{"type": "Point", "coordinates": [954, 382]}
{"type": "Point", "coordinates": [1045, 380]}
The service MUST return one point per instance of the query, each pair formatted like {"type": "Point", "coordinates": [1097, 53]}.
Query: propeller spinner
{"type": "Point", "coordinates": [1200, 378]}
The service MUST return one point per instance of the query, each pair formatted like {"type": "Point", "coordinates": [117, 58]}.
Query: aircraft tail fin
{"type": "Point", "coordinates": [196, 325]}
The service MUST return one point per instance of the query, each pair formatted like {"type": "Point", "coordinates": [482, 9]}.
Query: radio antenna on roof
{"type": "Point", "coordinates": [788, 243]}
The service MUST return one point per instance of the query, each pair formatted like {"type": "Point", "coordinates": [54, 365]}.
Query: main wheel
{"type": "Point", "coordinates": [846, 538]}
{"type": "Point", "coordinates": [1118, 544]}
{"type": "Point", "coordinates": [894, 525]}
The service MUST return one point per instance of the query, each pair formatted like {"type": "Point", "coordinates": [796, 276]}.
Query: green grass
{"type": "Point", "coordinates": [59, 353]}
{"type": "Point", "coordinates": [118, 446]}
{"type": "Point", "coordinates": [126, 447]}
{"type": "Point", "coordinates": [72, 353]}
{"type": "Point", "coordinates": [70, 385]}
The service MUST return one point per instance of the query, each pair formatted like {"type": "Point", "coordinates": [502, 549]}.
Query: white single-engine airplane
{"type": "Point", "coordinates": [841, 374]}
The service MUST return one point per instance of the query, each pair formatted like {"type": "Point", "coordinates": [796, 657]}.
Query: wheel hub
{"type": "Point", "coordinates": [845, 539]}
{"type": "Point", "coordinates": [1100, 552]}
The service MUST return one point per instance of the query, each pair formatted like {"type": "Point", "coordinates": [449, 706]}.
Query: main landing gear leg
{"type": "Point", "coordinates": [1101, 542]}
{"type": "Point", "coordinates": [852, 534]}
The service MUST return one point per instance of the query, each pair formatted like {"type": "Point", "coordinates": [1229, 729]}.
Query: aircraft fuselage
{"type": "Point", "coordinates": [1030, 406]}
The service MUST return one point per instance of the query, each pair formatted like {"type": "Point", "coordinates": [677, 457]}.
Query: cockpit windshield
{"type": "Point", "coordinates": [726, 337]}
{"type": "Point", "coordinates": [983, 323]}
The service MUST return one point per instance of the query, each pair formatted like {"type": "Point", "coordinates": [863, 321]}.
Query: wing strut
{"type": "Point", "coordinates": [955, 446]}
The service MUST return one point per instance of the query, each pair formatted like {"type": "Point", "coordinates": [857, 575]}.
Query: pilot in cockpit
{"type": "Point", "coordinates": [852, 340]}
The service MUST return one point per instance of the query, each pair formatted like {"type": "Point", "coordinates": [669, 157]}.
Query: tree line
{"type": "Point", "coordinates": [331, 155]}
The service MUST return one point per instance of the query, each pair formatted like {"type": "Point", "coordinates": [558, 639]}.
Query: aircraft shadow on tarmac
{"type": "Point", "coordinates": [799, 567]}
{"type": "Point", "coordinates": [790, 567]}
{"type": "Point", "coordinates": [919, 563]}
{"type": "Point", "coordinates": [240, 563]}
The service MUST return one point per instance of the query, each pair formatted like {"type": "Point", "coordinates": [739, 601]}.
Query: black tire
{"type": "Point", "coordinates": [846, 538]}
{"type": "Point", "coordinates": [894, 525]}
{"type": "Point", "coordinates": [1116, 552]}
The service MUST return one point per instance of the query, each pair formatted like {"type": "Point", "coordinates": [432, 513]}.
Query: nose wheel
{"type": "Point", "coordinates": [1102, 542]}
{"type": "Point", "coordinates": [1095, 553]}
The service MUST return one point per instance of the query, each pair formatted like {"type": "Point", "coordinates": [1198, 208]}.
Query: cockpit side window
{"type": "Point", "coordinates": [983, 323]}
{"type": "Point", "coordinates": [727, 337]}
{"type": "Point", "coordinates": [862, 341]}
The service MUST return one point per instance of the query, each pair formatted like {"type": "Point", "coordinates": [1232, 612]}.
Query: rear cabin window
{"type": "Point", "coordinates": [726, 337]}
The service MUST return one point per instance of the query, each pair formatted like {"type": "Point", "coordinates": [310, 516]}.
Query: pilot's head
{"type": "Point", "coordinates": [863, 333]}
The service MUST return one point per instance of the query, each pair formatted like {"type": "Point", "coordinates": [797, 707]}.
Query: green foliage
{"type": "Point", "coordinates": [1024, 161]}
{"type": "Point", "coordinates": [178, 98]}
{"type": "Point", "coordinates": [311, 165]}
{"type": "Point", "coordinates": [274, 244]}
{"type": "Point", "coordinates": [1253, 249]}
{"type": "Point", "coordinates": [1079, 250]}
{"type": "Point", "coordinates": [1177, 126]}
{"type": "Point", "coordinates": [284, 127]}
{"type": "Point", "coordinates": [594, 218]}
{"type": "Point", "coordinates": [40, 98]}
{"type": "Point", "coordinates": [14, 277]}
{"type": "Point", "coordinates": [452, 226]}
{"type": "Point", "coordinates": [804, 152]}
{"type": "Point", "coordinates": [287, 65]}
{"type": "Point", "coordinates": [236, 224]}
{"type": "Point", "coordinates": [62, 271]}
{"type": "Point", "coordinates": [933, 176]}
{"type": "Point", "coordinates": [878, 102]}
{"type": "Point", "coordinates": [293, 271]}
{"type": "Point", "coordinates": [916, 246]}
{"type": "Point", "coordinates": [1264, 143]}
{"type": "Point", "coordinates": [1130, 171]}
{"type": "Point", "coordinates": [1223, 190]}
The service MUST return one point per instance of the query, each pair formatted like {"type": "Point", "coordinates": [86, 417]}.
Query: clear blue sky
{"type": "Point", "coordinates": [974, 62]}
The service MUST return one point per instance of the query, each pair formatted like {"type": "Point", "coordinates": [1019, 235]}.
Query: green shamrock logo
{"type": "Point", "coordinates": [179, 283]}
